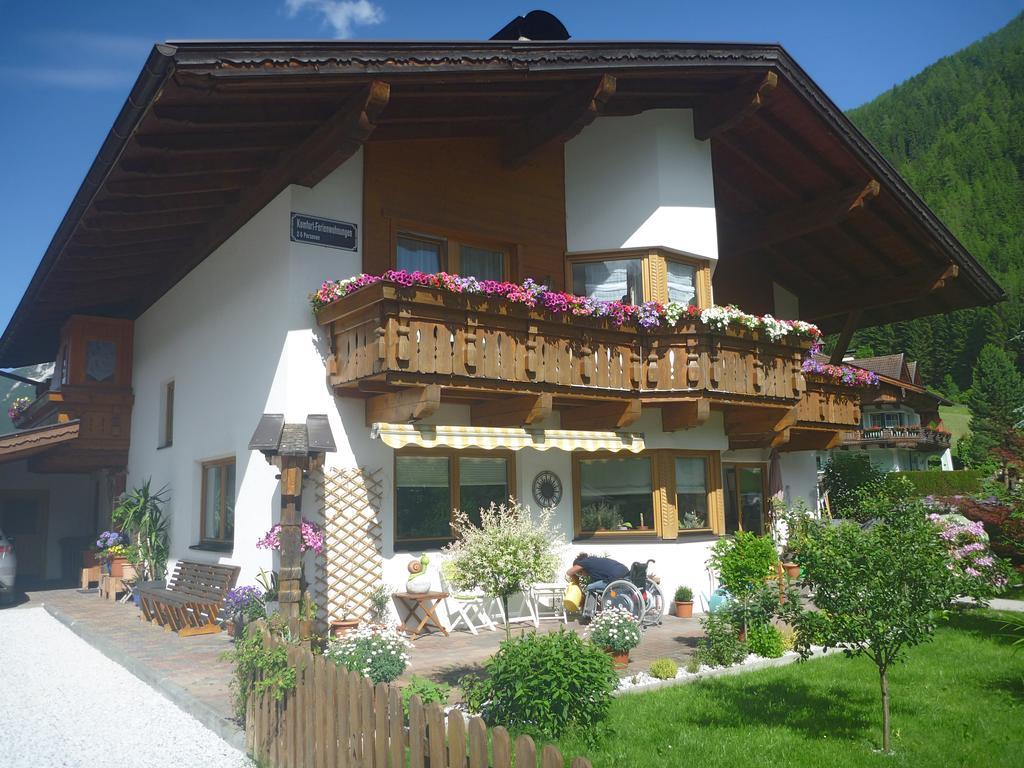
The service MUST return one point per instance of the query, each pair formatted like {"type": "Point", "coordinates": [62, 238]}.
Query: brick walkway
{"type": "Point", "coordinates": [193, 665]}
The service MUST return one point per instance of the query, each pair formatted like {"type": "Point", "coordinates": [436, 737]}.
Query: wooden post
{"type": "Point", "coordinates": [290, 588]}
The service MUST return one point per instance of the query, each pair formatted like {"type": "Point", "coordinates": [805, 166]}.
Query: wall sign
{"type": "Point", "coordinates": [329, 233]}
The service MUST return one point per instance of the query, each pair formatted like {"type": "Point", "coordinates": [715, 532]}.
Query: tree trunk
{"type": "Point", "coordinates": [508, 627]}
{"type": "Point", "coordinates": [884, 680]}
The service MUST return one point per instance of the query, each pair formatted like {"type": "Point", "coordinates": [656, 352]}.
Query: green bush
{"type": "Point", "coordinates": [663, 669]}
{"type": "Point", "coordinates": [845, 477]}
{"type": "Point", "coordinates": [251, 658]}
{"type": "Point", "coordinates": [544, 685]}
{"type": "Point", "coordinates": [765, 640]}
{"type": "Point", "coordinates": [379, 653]}
{"type": "Point", "coordinates": [692, 665]}
{"type": "Point", "coordinates": [428, 691]}
{"type": "Point", "coordinates": [721, 645]}
{"type": "Point", "coordinates": [684, 595]}
{"type": "Point", "coordinates": [961, 482]}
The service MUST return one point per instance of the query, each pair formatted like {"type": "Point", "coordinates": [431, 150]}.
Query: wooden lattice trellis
{"type": "Point", "coordinates": [352, 566]}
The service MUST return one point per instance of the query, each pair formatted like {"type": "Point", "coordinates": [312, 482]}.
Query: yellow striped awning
{"type": "Point", "coordinates": [507, 438]}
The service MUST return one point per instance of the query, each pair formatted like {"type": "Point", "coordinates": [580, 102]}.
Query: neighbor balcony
{"type": "Point", "coordinates": [913, 438]}
{"type": "Point", "coordinates": [472, 348]}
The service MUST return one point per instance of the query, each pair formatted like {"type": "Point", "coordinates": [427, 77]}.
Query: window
{"type": "Point", "coordinates": [438, 251]}
{"type": "Point", "coordinates": [637, 275]}
{"type": "Point", "coordinates": [887, 419]}
{"type": "Point", "coordinates": [616, 494]}
{"type": "Point", "coordinates": [167, 416]}
{"type": "Point", "coordinates": [744, 497]}
{"type": "Point", "coordinates": [610, 280]}
{"type": "Point", "coordinates": [692, 488]}
{"type": "Point", "coordinates": [430, 484]}
{"type": "Point", "coordinates": [217, 515]}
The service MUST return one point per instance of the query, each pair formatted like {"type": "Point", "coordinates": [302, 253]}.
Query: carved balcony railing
{"type": "Point", "coordinates": [922, 438]}
{"type": "Point", "coordinates": [385, 335]}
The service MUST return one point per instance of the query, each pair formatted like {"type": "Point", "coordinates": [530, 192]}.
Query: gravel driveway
{"type": "Point", "coordinates": [63, 703]}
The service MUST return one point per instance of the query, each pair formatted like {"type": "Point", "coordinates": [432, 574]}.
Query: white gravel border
{"type": "Point", "coordinates": [641, 682]}
{"type": "Point", "coordinates": [64, 704]}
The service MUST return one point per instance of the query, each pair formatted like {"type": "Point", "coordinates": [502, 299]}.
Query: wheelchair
{"type": "Point", "coordinates": [637, 593]}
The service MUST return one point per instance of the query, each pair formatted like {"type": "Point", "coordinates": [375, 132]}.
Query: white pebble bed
{"type": "Point", "coordinates": [64, 704]}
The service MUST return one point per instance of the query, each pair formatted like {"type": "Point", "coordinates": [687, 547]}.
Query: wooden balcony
{"type": "Point", "coordinates": [913, 438]}
{"type": "Point", "coordinates": [514, 365]}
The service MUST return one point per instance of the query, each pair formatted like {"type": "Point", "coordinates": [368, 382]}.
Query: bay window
{"type": "Point", "coordinates": [636, 275]}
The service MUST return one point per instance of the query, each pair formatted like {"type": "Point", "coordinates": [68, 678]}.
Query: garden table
{"type": "Point", "coordinates": [425, 603]}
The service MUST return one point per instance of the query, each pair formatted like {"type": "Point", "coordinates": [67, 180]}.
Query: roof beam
{"type": "Point", "coordinates": [341, 136]}
{"type": "Point", "coordinates": [126, 222]}
{"type": "Point", "coordinates": [843, 343]}
{"type": "Point", "coordinates": [608, 415]}
{"type": "Point", "coordinates": [511, 411]}
{"type": "Point", "coordinates": [104, 238]}
{"type": "Point", "coordinates": [563, 118]}
{"type": "Point", "coordinates": [186, 202]}
{"type": "Point", "coordinates": [721, 113]}
{"type": "Point", "coordinates": [403, 406]}
{"type": "Point", "coordinates": [862, 295]}
{"type": "Point", "coordinates": [801, 219]}
{"type": "Point", "coordinates": [147, 186]}
{"type": "Point", "coordinates": [209, 161]}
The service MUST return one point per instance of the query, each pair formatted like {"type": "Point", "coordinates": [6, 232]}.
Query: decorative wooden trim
{"type": "Point", "coordinates": [720, 113]}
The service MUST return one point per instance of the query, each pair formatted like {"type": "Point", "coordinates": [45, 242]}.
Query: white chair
{"type": "Point", "coordinates": [469, 607]}
{"type": "Point", "coordinates": [546, 599]}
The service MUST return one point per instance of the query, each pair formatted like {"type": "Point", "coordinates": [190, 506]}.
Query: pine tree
{"type": "Point", "coordinates": [997, 392]}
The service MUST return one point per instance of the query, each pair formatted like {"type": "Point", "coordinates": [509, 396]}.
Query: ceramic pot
{"type": "Point", "coordinates": [620, 659]}
{"type": "Point", "coordinates": [792, 571]}
{"type": "Point", "coordinates": [684, 610]}
{"type": "Point", "coordinates": [418, 585]}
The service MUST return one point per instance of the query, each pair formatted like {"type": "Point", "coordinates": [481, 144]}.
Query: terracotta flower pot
{"type": "Point", "coordinates": [620, 659]}
{"type": "Point", "coordinates": [343, 627]}
{"type": "Point", "coordinates": [792, 571]}
{"type": "Point", "coordinates": [684, 610]}
{"type": "Point", "coordinates": [117, 565]}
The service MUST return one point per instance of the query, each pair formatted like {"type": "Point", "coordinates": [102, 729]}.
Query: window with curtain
{"type": "Point", "coordinates": [610, 280]}
{"type": "Point", "coordinates": [744, 498]}
{"type": "Point", "coordinates": [616, 494]}
{"type": "Point", "coordinates": [682, 282]}
{"type": "Point", "coordinates": [217, 509]}
{"type": "Point", "coordinates": [429, 486]}
{"type": "Point", "coordinates": [419, 254]}
{"type": "Point", "coordinates": [481, 263]}
{"type": "Point", "coordinates": [692, 492]}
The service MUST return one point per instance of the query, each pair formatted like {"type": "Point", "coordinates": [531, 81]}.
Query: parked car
{"type": "Point", "coordinates": [8, 567]}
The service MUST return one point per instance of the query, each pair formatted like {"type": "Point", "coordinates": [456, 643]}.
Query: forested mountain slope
{"type": "Point", "coordinates": [956, 133]}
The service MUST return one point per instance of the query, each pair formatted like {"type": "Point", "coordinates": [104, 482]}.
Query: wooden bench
{"type": "Point", "coordinates": [192, 600]}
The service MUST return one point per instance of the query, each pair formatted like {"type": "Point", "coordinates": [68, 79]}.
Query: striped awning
{"type": "Point", "coordinates": [507, 438]}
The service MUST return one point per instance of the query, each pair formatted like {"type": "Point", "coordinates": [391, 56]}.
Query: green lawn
{"type": "Point", "coordinates": [958, 701]}
{"type": "Point", "coordinates": [957, 419]}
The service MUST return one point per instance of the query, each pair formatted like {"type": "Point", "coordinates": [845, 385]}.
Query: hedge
{"type": "Point", "coordinates": [935, 483]}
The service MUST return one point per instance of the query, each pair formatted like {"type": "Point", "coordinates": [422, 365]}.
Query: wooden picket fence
{"type": "Point", "coordinates": [335, 718]}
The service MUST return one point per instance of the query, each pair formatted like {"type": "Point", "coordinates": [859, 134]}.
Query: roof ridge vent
{"type": "Point", "coordinates": [536, 25]}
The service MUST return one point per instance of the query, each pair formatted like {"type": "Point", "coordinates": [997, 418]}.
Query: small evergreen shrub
{"type": "Point", "coordinates": [664, 669]}
{"type": "Point", "coordinates": [693, 665]}
{"type": "Point", "coordinates": [544, 685]}
{"type": "Point", "coordinates": [684, 595]}
{"type": "Point", "coordinates": [788, 635]}
{"type": "Point", "coordinates": [766, 641]}
{"type": "Point", "coordinates": [721, 645]}
{"type": "Point", "coordinates": [428, 691]}
{"type": "Point", "coordinates": [379, 653]}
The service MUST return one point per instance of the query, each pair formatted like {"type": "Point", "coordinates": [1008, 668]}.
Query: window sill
{"type": "Point", "coordinates": [224, 547]}
{"type": "Point", "coordinates": [163, 447]}
{"type": "Point", "coordinates": [421, 546]}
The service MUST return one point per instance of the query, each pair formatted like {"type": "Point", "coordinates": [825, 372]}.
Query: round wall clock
{"type": "Point", "coordinates": [547, 489]}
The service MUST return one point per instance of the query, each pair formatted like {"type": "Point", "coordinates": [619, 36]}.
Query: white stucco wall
{"type": "Point", "coordinates": [787, 303]}
{"type": "Point", "coordinates": [73, 504]}
{"type": "Point", "coordinates": [640, 181]}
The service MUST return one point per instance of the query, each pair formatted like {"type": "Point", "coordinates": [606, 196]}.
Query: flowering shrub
{"type": "Point", "coordinates": [1003, 520]}
{"type": "Point", "coordinates": [615, 629]}
{"type": "Point", "coordinates": [112, 544]}
{"type": "Point", "coordinates": [379, 653]}
{"type": "Point", "coordinates": [245, 601]}
{"type": "Point", "coordinates": [312, 537]}
{"type": "Point", "coordinates": [18, 407]}
{"type": "Point", "coordinates": [507, 553]}
{"type": "Point", "coordinates": [978, 572]}
{"type": "Point", "coordinates": [651, 314]}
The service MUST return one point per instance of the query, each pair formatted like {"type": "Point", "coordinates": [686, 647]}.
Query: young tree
{"type": "Point", "coordinates": [506, 554]}
{"type": "Point", "coordinates": [878, 589]}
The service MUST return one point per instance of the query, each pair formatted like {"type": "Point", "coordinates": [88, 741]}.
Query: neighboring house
{"type": "Point", "coordinates": [239, 176]}
{"type": "Point", "coordinates": [901, 428]}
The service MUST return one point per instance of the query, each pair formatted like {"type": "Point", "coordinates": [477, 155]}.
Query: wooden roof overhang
{"type": "Point", "coordinates": [211, 132]}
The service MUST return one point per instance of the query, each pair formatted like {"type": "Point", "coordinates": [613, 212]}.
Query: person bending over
{"type": "Point", "coordinates": [600, 571]}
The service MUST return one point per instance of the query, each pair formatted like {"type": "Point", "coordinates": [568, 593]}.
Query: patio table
{"type": "Point", "coordinates": [425, 603]}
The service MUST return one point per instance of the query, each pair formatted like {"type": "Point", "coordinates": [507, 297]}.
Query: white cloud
{"type": "Point", "coordinates": [341, 15]}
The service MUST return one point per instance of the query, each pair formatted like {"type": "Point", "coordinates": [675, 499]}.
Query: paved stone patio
{"type": "Point", "coordinates": [192, 670]}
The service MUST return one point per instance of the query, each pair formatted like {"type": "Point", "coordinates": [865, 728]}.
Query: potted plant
{"type": "Point", "coordinates": [242, 606]}
{"type": "Point", "coordinates": [617, 632]}
{"type": "Point", "coordinates": [140, 515]}
{"type": "Point", "coordinates": [268, 582]}
{"type": "Point", "coordinates": [684, 602]}
{"type": "Point", "coordinates": [112, 551]}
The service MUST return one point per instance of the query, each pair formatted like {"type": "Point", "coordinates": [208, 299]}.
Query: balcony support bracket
{"type": "Point", "coordinates": [685, 414]}
{"type": "Point", "coordinates": [612, 415]}
{"type": "Point", "coordinates": [404, 406]}
{"type": "Point", "coordinates": [511, 411]}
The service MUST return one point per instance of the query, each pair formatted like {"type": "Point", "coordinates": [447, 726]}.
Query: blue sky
{"type": "Point", "coordinates": [66, 67]}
